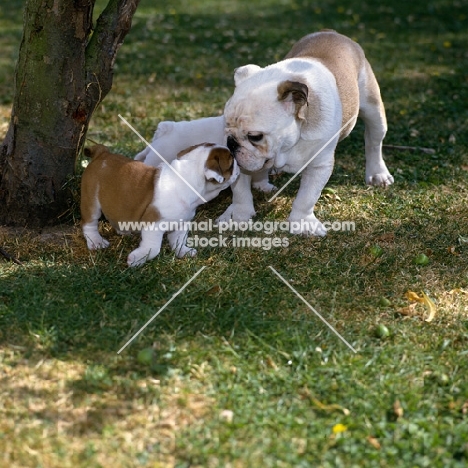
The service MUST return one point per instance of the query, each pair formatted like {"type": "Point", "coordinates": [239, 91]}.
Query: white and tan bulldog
{"type": "Point", "coordinates": [293, 113]}
{"type": "Point", "coordinates": [172, 137]}
{"type": "Point", "coordinates": [129, 191]}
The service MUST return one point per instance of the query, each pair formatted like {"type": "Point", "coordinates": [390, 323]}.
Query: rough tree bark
{"type": "Point", "coordinates": [64, 70]}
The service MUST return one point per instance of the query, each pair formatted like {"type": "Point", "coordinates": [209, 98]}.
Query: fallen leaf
{"type": "Point", "coordinates": [214, 290]}
{"type": "Point", "coordinates": [397, 409]}
{"type": "Point", "coordinates": [423, 299]}
{"type": "Point", "coordinates": [408, 310]}
{"type": "Point", "coordinates": [430, 307]}
{"type": "Point", "coordinates": [331, 407]}
{"type": "Point", "coordinates": [452, 250]}
{"type": "Point", "coordinates": [374, 442]}
{"type": "Point", "coordinates": [464, 409]}
{"type": "Point", "coordinates": [270, 363]}
{"type": "Point", "coordinates": [413, 297]}
{"type": "Point", "coordinates": [387, 237]}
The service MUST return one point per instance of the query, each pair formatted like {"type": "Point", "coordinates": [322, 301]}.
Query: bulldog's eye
{"type": "Point", "coordinates": [255, 138]}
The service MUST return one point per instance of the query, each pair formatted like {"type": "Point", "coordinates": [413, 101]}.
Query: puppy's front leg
{"type": "Point", "coordinates": [242, 207]}
{"type": "Point", "coordinates": [149, 248]}
{"type": "Point", "coordinates": [314, 178]}
{"type": "Point", "coordinates": [177, 240]}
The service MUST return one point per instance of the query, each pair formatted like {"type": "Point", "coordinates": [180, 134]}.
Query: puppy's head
{"type": "Point", "coordinates": [264, 116]}
{"type": "Point", "coordinates": [220, 169]}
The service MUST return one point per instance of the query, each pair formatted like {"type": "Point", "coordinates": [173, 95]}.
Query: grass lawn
{"type": "Point", "coordinates": [243, 373]}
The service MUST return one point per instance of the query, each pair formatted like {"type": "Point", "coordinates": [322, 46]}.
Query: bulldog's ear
{"type": "Point", "coordinates": [294, 95]}
{"type": "Point", "coordinates": [241, 73]}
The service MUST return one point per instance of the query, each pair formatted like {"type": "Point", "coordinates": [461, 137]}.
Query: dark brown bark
{"type": "Point", "coordinates": [64, 70]}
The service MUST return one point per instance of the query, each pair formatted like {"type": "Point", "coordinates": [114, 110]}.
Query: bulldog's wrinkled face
{"type": "Point", "coordinates": [263, 117]}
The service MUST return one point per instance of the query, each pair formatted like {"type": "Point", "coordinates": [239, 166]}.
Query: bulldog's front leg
{"type": "Point", "coordinates": [242, 207]}
{"type": "Point", "coordinates": [314, 178]}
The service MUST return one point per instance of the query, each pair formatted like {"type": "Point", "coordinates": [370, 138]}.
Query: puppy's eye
{"type": "Point", "coordinates": [255, 138]}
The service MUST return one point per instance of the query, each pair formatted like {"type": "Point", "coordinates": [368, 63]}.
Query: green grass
{"type": "Point", "coordinates": [237, 339]}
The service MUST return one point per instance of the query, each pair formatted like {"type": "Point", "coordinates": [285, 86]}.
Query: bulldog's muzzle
{"type": "Point", "coordinates": [232, 144]}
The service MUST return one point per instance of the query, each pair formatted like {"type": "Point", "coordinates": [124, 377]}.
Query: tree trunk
{"type": "Point", "coordinates": [64, 70]}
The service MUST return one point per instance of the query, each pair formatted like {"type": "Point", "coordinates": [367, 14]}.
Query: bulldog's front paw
{"type": "Point", "coordinates": [236, 213]}
{"type": "Point", "coordinates": [96, 242]}
{"type": "Point", "coordinates": [264, 186]}
{"type": "Point", "coordinates": [380, 179]}
{"type": "Point", "coordinates": [308, 226]}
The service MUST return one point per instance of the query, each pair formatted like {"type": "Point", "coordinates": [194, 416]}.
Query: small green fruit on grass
{"type": "Point", "coordinates": [384, 302]}
{"type": "Point", "coordinates": [376, 251]}
{"type": "Point", "coordinates": [146, 356]}
{"type": "Point", "coordinates": [382, 331]}
{"type": "Point", "coordinates": [421, 259]}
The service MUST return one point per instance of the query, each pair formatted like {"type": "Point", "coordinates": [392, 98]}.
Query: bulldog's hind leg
{"type": "Point", "coordinates": [372, 111]}
{"type": "Point", "coordinates": [314, 178]}
{"type": "Point", "coordinates": [260, 181]}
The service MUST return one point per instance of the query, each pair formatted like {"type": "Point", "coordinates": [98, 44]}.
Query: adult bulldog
{"type": "Point", "coordinates": [293, 113]}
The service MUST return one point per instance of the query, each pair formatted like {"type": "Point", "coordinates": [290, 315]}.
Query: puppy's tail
{"type": "Point", "coordinates": [95, 150]}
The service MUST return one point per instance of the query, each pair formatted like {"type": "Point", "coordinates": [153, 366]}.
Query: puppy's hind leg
{"type": "Point", "coordinates": [90, 214]}
{"type": "Point", "coordinates": [372, 111]}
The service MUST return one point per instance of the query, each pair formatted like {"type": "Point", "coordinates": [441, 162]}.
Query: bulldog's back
{"type": "Point", "coordinates": [342, 56]}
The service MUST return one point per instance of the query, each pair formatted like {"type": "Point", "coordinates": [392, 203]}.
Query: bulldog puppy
{"type": "Point", "coordinates": [172, 137]}
{"type": "Point", "coordinates": [129, 192]}
{"type": "Point", "coordinates": [291, 115]}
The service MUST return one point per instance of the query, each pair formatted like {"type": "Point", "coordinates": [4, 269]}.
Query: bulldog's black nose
{"type": "Point", "coordinates": [232, 144]}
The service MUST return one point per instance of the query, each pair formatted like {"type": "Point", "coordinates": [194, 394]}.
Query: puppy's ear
{"type": "Point", "coordinates": [294, 95]}
{"type": "Point", "coordinates": [219, 164]}
{"type": "Point", "coordinates": [241, 73]}
{"type": "Point", "coordinates": [213, 175]}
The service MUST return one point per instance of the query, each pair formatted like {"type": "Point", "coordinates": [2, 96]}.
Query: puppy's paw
{"type": "Point", "coordinates": [236, 213]}
{"type": "Point", "coordinates": [96, 242]}
{"type": "Point", "coordinates": [138, 257]}
{"type": "Point", "coordinates": [308, 226]}
{"type": "Point", "coordinates": [186, 252]}
{"type": "Point", "coordinates": [380, 179]}
{"type": "Point", "coordinates": [264, 186]}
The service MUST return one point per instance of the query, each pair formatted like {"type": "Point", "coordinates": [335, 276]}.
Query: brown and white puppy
{"type": "Point", "coordinates": [136, 197]}
{"type": "Point", "coordinates": [172, 137]}
{"type": "Point", "coordinates": [291, 115]}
